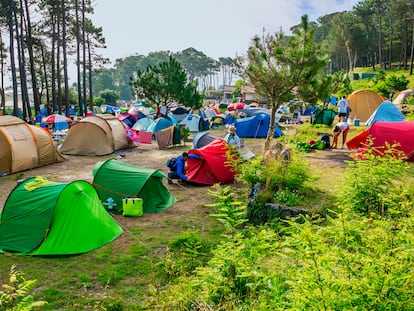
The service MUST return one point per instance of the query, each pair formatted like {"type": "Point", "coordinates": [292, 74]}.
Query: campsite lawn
{"type": "Point", "coordinates": [118, 275]}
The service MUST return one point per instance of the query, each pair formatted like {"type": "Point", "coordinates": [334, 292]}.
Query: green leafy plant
{"type": "Point", "coordinates": [371, 185]}
{"type": "Point", "coordinates": [229, 211]}
{"type": "Point", "coordinates": [184, 254]}
{"type": "Point", "coordinates": [350, 262]}
{"type": "Point", "coordinates": [185, 133]}
{"type": "Point", "coordinates": [16, 294]}
{"type": "Point", "coordinates": [286, 197]}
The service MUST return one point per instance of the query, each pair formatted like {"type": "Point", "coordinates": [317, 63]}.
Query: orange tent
{"type": "Point", "coordinates": [363, 103]}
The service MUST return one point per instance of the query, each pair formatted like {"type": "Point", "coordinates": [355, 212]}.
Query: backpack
{"type": "Point", "coordinates": [172, 163]}
{"type": "Point", "coordinates": [326, 140]}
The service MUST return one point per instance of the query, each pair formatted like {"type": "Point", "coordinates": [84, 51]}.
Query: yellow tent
{"type": "Point", "coordinates": [24, 146]}
{"type": "Point", "coordinates": [363, 103]}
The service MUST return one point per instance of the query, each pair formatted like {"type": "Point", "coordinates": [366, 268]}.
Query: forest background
{"type": "Point", "coordinates": [37, 38]}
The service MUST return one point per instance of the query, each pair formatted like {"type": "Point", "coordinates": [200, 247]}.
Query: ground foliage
{"type": "Point", "coordinates": [197, 257]}
{"type": "Point", "coordinates": [352, 259]}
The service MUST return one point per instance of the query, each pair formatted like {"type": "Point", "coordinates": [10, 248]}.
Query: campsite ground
{"type": "Point", "coordinates": [150, 156]}
{"type": "Point", "coordinates": [123, 270]}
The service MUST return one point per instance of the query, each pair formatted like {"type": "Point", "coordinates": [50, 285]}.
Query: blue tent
{"type": "Point", "coordinates": [110, 109]}
{"type": "Point", "coordinates": [160, 124]}
{"type": "Point", "coordinates": [143, 124]}
{"type": "Point", "coordinates": [192, 122]}
{"type": "Point", "coordinates": [386, 112]}
{"type": "Point", "coordinates": [255, 126]}
{"type": "Point", "coordinates": [309, 111]}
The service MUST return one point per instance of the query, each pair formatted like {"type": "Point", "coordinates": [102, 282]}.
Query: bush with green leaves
{"type": "Point", "coordinates": [99, 101]}
{"type": "Point", "coordinates": [15, 295]}
{"type": "Point", "coordinates": [390, 84]}
{"type": "Point", "coordinates": [184, 254]}
{"type": "Point", "coordinates": [276, 174]}
{"type": "Point", "coordinates": [348, 262]}
{"type": "Point", "coordinates": [283, 182]}
{"type": "Point", "coordinates": [379, 183]}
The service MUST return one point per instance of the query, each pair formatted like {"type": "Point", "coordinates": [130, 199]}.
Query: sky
{"type": "Point", "coordinates": [218, 28]}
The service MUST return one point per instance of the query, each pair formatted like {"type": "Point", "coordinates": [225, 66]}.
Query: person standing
{"type": "Point", "coordinates": [38, 117]}
{"type": "Point", "coordinates": [343, 108]}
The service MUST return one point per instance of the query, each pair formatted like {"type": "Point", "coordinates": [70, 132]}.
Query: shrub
{"type": "Point", "coordinates": [16, 294]}
{"type": "Point", "coordinates": [375, 184]}
{"type": "Point", "coordinates": [184, 254]}
{"type": "Point", "coordinates": [351, 262]}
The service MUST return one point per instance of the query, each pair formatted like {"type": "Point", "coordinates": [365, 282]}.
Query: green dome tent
{"type": "Point", "coordinates": [323, 116]}
{"type": "Point", "coordinates": [118, 180]}
{"type": "Point", "coordinates": [47, 218]}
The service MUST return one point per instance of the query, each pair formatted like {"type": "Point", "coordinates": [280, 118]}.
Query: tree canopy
{"type": "Point", "coordinates": [278, 67]}
{"type": "Point", "coordinates": [166, 83]}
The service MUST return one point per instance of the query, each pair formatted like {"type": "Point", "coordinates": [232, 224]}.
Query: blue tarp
{"type": "Point", "coordinates": [386, 112]}
{"type": "Point", "coordinates": [255, 126]}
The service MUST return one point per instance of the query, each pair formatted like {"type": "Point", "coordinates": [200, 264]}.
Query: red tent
{"type": "Point", "coordinates": [211, 168]}
{"type": "Point", "coordinates": [401, 133]}
{"type": "Point", "coordinates": [236, 106]}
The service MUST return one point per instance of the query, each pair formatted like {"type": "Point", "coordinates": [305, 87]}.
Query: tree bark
{"type": "Point", "coordinates": [65, 60]}
{"type": "Point", "coordinates": [27, 112]}
{"type": "Point", "coordinates": [90, 75]}
{"type": "Point", "coordinates": [51, 106]}
{"type": "Point", "coordinates": [2, 94]}
{"type": "Point", "coordinates": [29, 41]}
{"type": "Point", "coordinates": [85, 112]}
{"type": "Point", "coordinates": [12, 59]}
{"type": "Point", "coordinates": [78, 62]}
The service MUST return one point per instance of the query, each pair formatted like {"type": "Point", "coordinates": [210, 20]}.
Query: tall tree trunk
{"type": "Point", "coordinates": [380, 42]}
{"type": "Point", "coordinates": [406, 44]}
{"type": "Point", "coordinates": [90, 75]}
{"type": "Point", "coordinates": [51, 106]}
{"type": "Point", "coordinates": [36, 97]}
{"type": "Point", "coordinates": [12, 59]}
{"type": "Point", "coordinates": [391, 35]}
{"type": "Point", "coordinates": [2, 95]}
{"type": "Point", "coordinates": [58, 67]}
{"type": "Point", "coordinates": [84, 58]}
{"type": "Point", "coordinates": [412, 53]}
{"type": "Point", "coordinates": [42, 49]}
{"type": "Point", "coordinates": [269, 136]}
{"type": "Point", "coordinates": [78, 71]}
{"type": "Point", "coordinates": [65, 60]}
{"type": "Point", "coordinates": [27, 112]}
